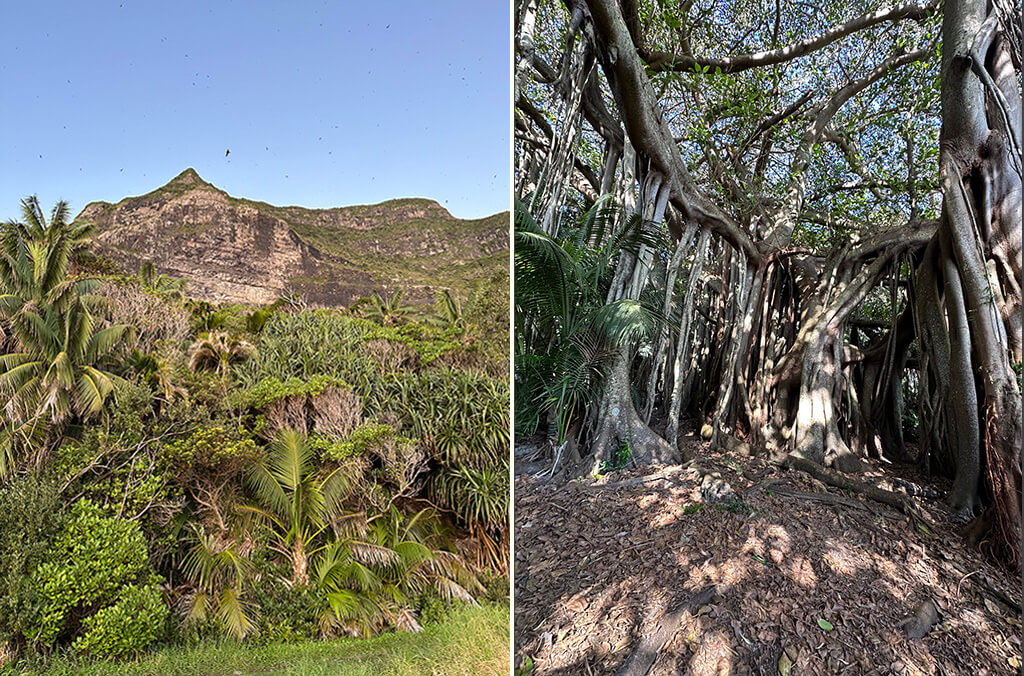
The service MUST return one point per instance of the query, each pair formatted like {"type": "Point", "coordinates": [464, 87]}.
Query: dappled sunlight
{"type": "Point", "coordinates": [781, 541]}
{"type": "Point", "coordinates": [753, 545]}
{"type": "Point", "coordinates": [632, 555]}
{"type": "Point", "coordinates": [713, 656]}
{"type": "Point", "coordinates": [802, 572]}
{"type": "Point", "coordinates": [925, 572]}
{"type": "Point", "coordinates": [842, 558]}
{"type": "Point", "coordinates": [730, 572]}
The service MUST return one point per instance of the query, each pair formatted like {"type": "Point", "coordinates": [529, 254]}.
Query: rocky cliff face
{"type": "Point", "coordinates": [239, 250]}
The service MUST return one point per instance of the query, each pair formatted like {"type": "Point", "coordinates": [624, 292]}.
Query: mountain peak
{"type": "Point", "coordinates": [188, 177]}
{"type": "Point", "coordinates": [239, 250]}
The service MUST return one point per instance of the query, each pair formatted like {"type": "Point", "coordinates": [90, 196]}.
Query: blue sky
{"type": "Point", "coordinates": [320, 103]}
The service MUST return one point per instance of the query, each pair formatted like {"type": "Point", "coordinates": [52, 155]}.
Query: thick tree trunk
{"type": "Point", "coordinates": [620, 423]}
{"type": "Point", "coordinates": [981, 188]}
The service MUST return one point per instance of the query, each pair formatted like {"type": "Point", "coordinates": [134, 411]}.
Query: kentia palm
{"type": "Point", "coordinates": [297, 505]}
{"type": "Point", "coordinates": [372, 580]}
{"type": "Point", "coordinates": [220, 575]}
{"type": "Point", "coordinates": [217, 351]}
{"type": "Point", "coordinates": [565, 330]}
{"type": "Point", "coordinates": [52, 373]}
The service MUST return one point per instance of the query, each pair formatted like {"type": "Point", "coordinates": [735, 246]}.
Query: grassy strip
{"type": "Point", "coordinates": [472, 641]}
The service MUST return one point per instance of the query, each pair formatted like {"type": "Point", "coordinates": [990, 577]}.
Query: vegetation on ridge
{"type": "Point", "coordinates": [178, 471]}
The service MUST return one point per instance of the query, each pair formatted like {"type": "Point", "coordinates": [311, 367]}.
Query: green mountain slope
{"type": "Point", "coordinates": [241, 250]}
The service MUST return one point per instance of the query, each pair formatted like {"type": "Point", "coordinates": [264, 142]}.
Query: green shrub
{"type": "Point", "coordinates": [495, 587]}
{"type": "Point", "coordinates": [211, 449]}
{"type": "Point", "coordinates": [431, 609]}
{"type": "Point", "coordinates": [429, 343]}
{"type": "Point", "coordinates": [271, 389]}
{"type": "Point", "coordinates": [133, 623]}
{"type": "Point", "coordinates": [89, 562]}
{"type": "Point", "coordinates": [123, 426]}
{"type": "Point", "coordinates": [363, 440]}
{"type": "Point", "coordinates": [287, 612]}
{"type": "Point", "coordinates": [31, 517]}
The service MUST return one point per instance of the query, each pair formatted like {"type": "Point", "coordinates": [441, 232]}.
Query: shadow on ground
{"type": "Point", "coordinates": [597, 568]}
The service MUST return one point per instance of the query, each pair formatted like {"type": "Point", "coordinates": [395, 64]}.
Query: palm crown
{"type": "Point", "coordinates": [50, 372]}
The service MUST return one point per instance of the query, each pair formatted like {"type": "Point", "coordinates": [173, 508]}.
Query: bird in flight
{"type": "Point", "coordinates": [227, 152]}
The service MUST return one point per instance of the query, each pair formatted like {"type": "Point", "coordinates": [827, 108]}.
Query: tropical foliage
{"type": "Point", "coordinates": [565, 330]}
{"type": "Point", "coordinates": [175, 470]}
{"type": "Point", "coordinates": [51, 374]}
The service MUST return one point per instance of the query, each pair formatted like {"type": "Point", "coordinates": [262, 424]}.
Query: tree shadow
{"type": "Point", "coordinates": [598, 568]}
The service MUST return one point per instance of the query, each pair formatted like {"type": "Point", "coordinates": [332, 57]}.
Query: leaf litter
{"type": "Point", "coordinates": [799, 586]}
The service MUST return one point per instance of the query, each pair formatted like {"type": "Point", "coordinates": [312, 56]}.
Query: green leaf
{"type": "Point", "coordinates": [825, 624]}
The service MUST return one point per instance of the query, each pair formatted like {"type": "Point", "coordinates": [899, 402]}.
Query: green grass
{"type": "Point", "coordinates": [472, 641]}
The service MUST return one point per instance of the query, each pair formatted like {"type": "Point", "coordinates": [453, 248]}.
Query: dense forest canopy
{"type": "Point", "coordinates": [798, 223]}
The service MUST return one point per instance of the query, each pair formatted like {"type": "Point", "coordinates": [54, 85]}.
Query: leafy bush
{"type": "Point", "coordinates": [288, 613]}
{"type": "Point", "coordinates": [427, 342]}
{"type": "Point", "coordinates": [322, 404]}
{"type": "Point", "coordinates": [31, 517]}
{"type": "Point", "coordinates": [116, 464]}
{"type": "Point", "coordinates": [90, 562]}
{"type": "Point", "coordinates": [362, 440]}
{"type": "Point", "coordinates": [211, 449]}
{"type": "Point", "coordinates": [431, 609]}
{"type": "Point", "coordinates": [271, 389]}
{"type": "Point", "coordinates": [128, 627]}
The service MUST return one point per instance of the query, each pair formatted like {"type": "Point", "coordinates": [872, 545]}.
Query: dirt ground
{"type": "Point", "coordinates": [774, 582]}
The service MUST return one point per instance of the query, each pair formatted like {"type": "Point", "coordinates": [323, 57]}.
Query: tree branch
{"type": "Point", "coordinates": [658, 61]}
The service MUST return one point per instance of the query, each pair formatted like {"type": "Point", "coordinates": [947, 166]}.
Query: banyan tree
{"type": "Point", "coordinates": [797, 223]}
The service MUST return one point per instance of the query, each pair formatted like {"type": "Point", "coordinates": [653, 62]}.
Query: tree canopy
{"type": "Point", "coordinates": [829, 196]}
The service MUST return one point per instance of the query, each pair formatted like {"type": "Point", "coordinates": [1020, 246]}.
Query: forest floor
{"type": "Point", "coordinates": [636, 570]}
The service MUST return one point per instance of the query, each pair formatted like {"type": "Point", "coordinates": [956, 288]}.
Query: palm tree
{"type": "Point", "coordinates": [157, 371]}
{"type": "Point", "coordinates": [51, 373]}
{"type": "Point", "coordinates": [388, 310]}
{"type": "Point", "coordinates": [217, 351]}
{"type": "Point", "coordinates": [448, 315]}
{"type": "Point", "coordinates": [565, 331]}
{"type": "Point", "coordinates": [162, 284]}
{"type": "Point", "coordinates": [371, 579]}
{"type": "Point", "coordinates": [219, 575]}
{"type": "Point", "coordinates": [297, 505]}
{"type": "Point", "coordinates": [35, 258]}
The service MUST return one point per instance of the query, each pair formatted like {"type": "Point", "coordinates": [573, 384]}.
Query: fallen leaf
{"type": "Point", "coordinates": [825, 624]}
{"type": "Point", "coordinates": [526, 667]}
{"type": "Point", "coordinates": [992, 607]}
{"type": "Point", "coordinates": [785, 665]}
